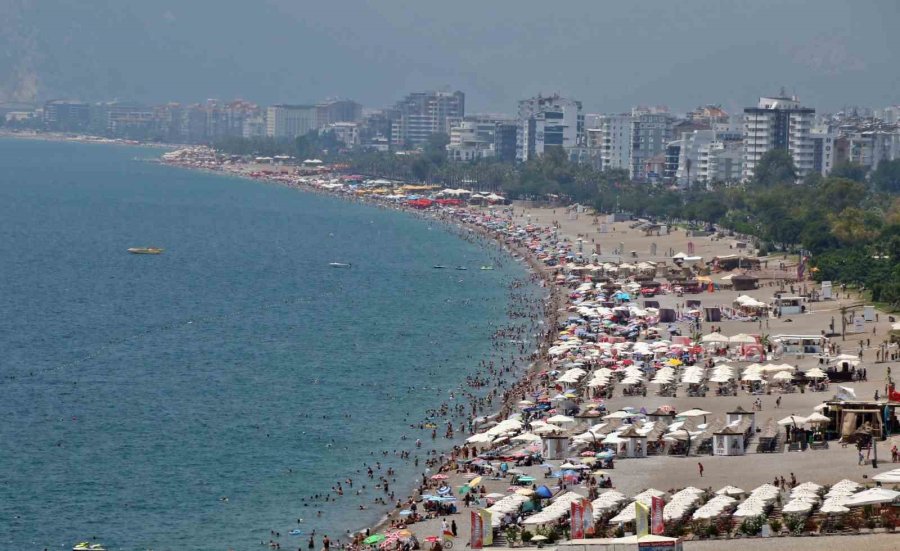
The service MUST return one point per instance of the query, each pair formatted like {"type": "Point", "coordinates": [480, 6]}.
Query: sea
{"type": "Point", "coordinates": [197, 399]}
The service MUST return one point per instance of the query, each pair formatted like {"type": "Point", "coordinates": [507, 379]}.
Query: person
{"type": "Point", "coordinates": [453, 527]}
{"type": "Point", "coordinates": [444, 526]}
{"type": "Point", "coordinates": [326, 543]}
{"type": "Point", "coordinates": [700, 467]}
{"type": "Point", "coordinates": [778, 402]}
{"type": "Point", "coordinates": [311, 544]}
{"type": "Point", "coordinates": [862, 457]}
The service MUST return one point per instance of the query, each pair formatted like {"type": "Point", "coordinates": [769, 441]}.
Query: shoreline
{"type": "Point", "coordinates": [550, 300]}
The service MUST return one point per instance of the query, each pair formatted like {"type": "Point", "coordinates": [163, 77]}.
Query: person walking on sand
{"type": "Point", "coordinates": [700, 468]}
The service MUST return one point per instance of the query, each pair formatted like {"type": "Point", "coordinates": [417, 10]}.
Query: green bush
{"type": "Point", "coordinates": [775, 525]}
{"type": "Point", "coordinates": [752, 526]}
{"type": "Point", "coordinates": [794, 524]}
{"type": "Point", "coordinates": [526, 536]}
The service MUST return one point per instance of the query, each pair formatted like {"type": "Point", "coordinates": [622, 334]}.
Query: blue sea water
{"type": "Point", "coordinates": [137, 391]}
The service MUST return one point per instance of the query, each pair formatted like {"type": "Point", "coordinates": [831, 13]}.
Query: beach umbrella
{"type": "Point", "coordinates": [817, 418]}
{"type": "Point", "coordinates": [873, 496]}
{"type": "Point", "coordinates": [815, 373]}
{"type": "Point", "coordinates": [792, 420]}
{"type": "Point", "coordinates": [742, 338]}
{"type": "Point", "coordinates": [475, 481]}
{"type": "Point", "coordinates": [783, 376]}
{"type": "Point", "coordinates": [693, 413]}
{"type": "Point", "coordinates": [730, 491]}
{"type": "Point", "coordinates": [543, 492]}
{"type": "Point", "coordinates": [539, 538]}
{"type": "Point", "coordinates": [374, 538]}
{"type": "Point", "coordinates": [714, 338]}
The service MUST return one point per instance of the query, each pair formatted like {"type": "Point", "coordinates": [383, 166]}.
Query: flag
{"type": "Point", "coordinates": [657, 526]}
{"type": "Point", "coordinates": [587, 514]}
{"type": "Point", "coordinates": [487, 528]}
{"type": "Point", "coordinates": [575, 520]}
{"type": "Point", "coordinates": [641, 519]}
{"type": "Point", "coordinates": [476, 541]}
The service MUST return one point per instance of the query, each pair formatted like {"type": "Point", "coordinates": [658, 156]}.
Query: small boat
{"type": "Point", "coordinates": [296, 532]}
{"type": "Point", "coordinates": [438, 267]}
{"type": "Point", "coordinates": [339, 265]}
{"type": "Point", "coordinates": [461, 268]}
{"type": "Point", "coordinates": [487, 267]}
{"type": "Point", "coordinates": [145, 250]}
{"type": "Point", "coordinates": [86, 546]}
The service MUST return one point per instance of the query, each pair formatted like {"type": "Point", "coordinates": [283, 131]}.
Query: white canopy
{"type": "Point", "coordinates": [872, 497]}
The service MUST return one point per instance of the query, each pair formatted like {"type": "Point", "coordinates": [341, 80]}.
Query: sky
{"type": "Point", "coordinates": [611, 55]}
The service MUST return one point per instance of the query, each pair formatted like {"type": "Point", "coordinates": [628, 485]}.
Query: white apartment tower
{"type": "Point", "coordinates": [290, 121]}
{"type": "Point", "coordinates": [545, 122]}
{"type": "Point", "coordinates": [615, 141]}
{"type": "Point", "coordinates": [778, 123]}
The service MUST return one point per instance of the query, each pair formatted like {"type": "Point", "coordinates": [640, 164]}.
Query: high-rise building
{"type": "Point", "coordinates": [651, 132]}
{"type": "Point", "coordinates": [548, 121]}
{"type": "Point", "coordinates": [332, 111]}
{"type": "Point", "coordinates": [483, 136]}
{"type": "Point", "coordinates": [613, 137]}
{"type": "Point", "coordinates": [778, 123]}
{"type": "Point", "coordinates": [823, 150]}
{"type": "Point", "coordinates": [290, 121]}
{"type": "Point", "coordinates": [345, 132]}
{"type": "Point", "coordinates": [67, 115]}
{"type": "Point", "coordinates": [421, 114]}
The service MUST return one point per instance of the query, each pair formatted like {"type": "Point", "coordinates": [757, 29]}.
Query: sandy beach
{"type": "Point", "coordinates": [631, 476]}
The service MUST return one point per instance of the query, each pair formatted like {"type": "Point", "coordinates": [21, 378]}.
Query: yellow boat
{"type": "Point", "coordinates": [145, 250]}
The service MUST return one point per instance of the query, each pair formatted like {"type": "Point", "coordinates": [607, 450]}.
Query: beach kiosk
{"type": "Point", "coordinates": [728, 441]}
{"type": "Point", "coordinates": [555, 446]}
{"type": "Point", "coordinates": [739, 415]}
{"type": "Point", "coordinates": [635, 443]}
{"type": "Point", "coordinates": [788, 306]}
{"type": "Point", "coordinates": [800, 345]}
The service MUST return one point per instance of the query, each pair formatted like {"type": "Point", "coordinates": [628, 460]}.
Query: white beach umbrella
{"type": "Point", "coordinates": [730, 491]}
{"type": "Point", "coordinates": [714, 338]}
{"type": "Point", "coordinates": [783, 376]}
{"type": "Point", "coordinates": [873, 496]}
{"type": "Point", "coordinates": [815, 373]}
{"type": "Point", "coordinates": [817, 418]}
{"type": "Point", "coordinates": [797, 506]}
{"type": "Point", "coordinates": [890, 477]}
{"type": "Point", "coordinates": [792, 420]}
{"type": "Point", "coordinates": [693, 413]}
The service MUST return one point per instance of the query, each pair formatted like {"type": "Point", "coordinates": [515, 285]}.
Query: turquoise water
{"type": "Point", "coordinates": [137, 391]}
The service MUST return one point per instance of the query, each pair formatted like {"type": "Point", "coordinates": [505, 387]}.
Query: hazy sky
{"type": "Point", "coordinates": [611, 55]}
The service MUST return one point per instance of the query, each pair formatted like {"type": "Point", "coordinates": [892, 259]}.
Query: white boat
{"type": "Point", "coordinates": [339, 265]}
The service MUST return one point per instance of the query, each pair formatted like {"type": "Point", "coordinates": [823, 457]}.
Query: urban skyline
{"type": "Point", "coordinates": [706, 144]}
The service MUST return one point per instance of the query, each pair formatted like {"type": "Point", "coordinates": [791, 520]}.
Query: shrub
{"type": "Point", "coordinates": [810, 526]}
{"type": "Point", "coordinates": [526, 536]}
{"type": "Point", "coordinates": [675, 529]}
{"type": "Point", "coordinates": [752, 526]}
{"type": "Point", "coordinates": [853, 522]}
{"type": "Point", "coordinates": [712, 530]}
{"type": "Point", "coordinates": [620, 532]}
{"type": "Point", "coordinates": [775, 525]}
{"type": "Point", "coordinates": [512, 535]}
{"type": "Point", "coordinates": [793, 524]}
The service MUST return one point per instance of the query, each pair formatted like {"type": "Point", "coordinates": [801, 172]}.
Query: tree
{"type": "Point", "coordinates": [776, 167]}
{"type": "Point", "coordinates": [850, 171]}
{"type": "Point", "coordinates": [887, 176]}
{"type": "Point", "coordinates": [836, 194]}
